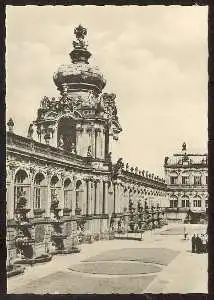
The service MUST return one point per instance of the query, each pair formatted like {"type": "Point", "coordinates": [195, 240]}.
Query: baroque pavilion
{"type": "Point", "coordinates": [61, 182]}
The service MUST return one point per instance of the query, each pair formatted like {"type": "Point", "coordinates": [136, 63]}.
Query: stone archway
{"type": "Point", "coordinates": [66, 134]}
{"type": "Point", "coordinates": [21, 186]}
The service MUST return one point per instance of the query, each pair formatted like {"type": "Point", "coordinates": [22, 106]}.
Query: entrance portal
{"type": "Point", "coordinates": [66, 136]}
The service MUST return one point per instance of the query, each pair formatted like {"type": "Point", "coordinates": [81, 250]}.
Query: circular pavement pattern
{"type": "Point", "coordinates": [116, 268]}
{"type": "Point", "coordinates": [159, 256]}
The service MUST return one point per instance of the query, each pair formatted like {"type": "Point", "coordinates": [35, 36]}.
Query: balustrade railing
{"type": "Point", "coordinates": [23, 143]}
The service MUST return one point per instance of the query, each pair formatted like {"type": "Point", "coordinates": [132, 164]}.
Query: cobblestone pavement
{"type": "Point", "coordinates": [184, 272]}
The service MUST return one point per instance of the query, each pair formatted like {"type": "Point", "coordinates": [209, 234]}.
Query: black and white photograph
{"type": "Point", "coordinates": [106, 149]}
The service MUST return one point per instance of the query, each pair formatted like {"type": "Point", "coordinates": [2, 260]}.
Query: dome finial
{"type": "Point", "coordinates": [80, 33]}
{"type": "Point", "coordinates": [80, 52]}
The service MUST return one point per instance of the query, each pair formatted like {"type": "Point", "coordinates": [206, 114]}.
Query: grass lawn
{"type": "Point", "coordinates": [114, 268]}
{"type": "Point", "coordinates": [160, 256]}
{"type": "Point", "coordinates": [65, 282]}
{"type": "Point", "coordinates": [190, 228]}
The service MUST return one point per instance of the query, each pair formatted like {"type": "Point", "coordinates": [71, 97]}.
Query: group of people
{"type": "Point", "coordinates": [199, 243]}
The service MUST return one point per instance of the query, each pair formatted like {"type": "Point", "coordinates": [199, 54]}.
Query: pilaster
{"type": "Point", "coordinates": [84, 197]}
{"type": "Point", "coordinates": [101, 200]}
{"type": "Point", "coordinates": [92, 197]}
{"type": "Point", "coordinates": [31, 193]}
{"type": "Point", "coordinates": [89, 197]}
{"type": "Point", "coordinates": [48, 203]}
{"type": "Point", "coordinates": [106, 197]}
{"type": "Point", "coordinates": [79, 131]}
{"type": "Point", "coordinates": [10, 200]}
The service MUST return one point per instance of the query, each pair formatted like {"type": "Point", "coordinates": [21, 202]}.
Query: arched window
{"type": "Point", "coordinates": [55, 187]}
{"type": "Point", "coordinates": [22, 186]}
{"type": "Point", "coordinates": [40, 191]}
{"type": "Point", "coordinates": [67, 193]}
{"type": "Point", "coordinates": [185, 201]}
{"type": "Point", "coordinates": [196, 201]}
{"type": "Point", "coordinates": [173, 201]}
{"type": "Point", "coordinates": [67, 133]}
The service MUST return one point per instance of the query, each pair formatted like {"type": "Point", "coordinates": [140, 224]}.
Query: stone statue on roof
{"type": "Point", "coordinates": [184, 147]}
{"type": "Point", "coordinates": [30, 131]}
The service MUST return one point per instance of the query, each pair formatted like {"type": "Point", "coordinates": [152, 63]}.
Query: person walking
{"type": "Point", "coordinates": [197, 243]}
{"type": "Point", "coordinates": [194, 243]}
{"type": "Point", "coordinates": [204, 242]}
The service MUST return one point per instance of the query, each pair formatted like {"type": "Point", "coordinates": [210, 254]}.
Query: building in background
{"type": "Point", "coordinates": [187, 178]}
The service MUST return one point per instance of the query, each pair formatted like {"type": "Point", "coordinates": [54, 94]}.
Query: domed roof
{"type": "Point", "coordinates": [79, 73]}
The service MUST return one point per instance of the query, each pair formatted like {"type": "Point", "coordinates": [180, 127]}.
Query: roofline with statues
{"type": "Point", "coordinates": [186, 160]}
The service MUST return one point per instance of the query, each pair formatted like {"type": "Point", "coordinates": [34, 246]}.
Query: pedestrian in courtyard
{"type": "Point", "coordinates": [203, 239]}
{"type": "Point", "coordinates": [198, 244]}
{"type": "Point", "coordinates": [206, 236]}
{"type": "Point", "coordinates": [194, 243]}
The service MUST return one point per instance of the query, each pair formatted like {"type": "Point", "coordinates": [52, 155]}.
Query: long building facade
{"type": "Point", "coordinates": [61, 181]}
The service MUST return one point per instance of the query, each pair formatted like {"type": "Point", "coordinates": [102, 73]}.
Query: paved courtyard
{"type": "Point", "coordinates": [161, 263]}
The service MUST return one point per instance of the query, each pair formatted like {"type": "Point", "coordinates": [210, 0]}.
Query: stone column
{"type": "Point", "coordinates": [179, 179]}
{"type": "Point", "coordinates": [191, 178]}
{"type": "Point", "coordinates": [116, 198]}
{"type": "Point", "coordinates": [10, 200]}
{"type": "Point", "coordinates": [106, 197]}
{"type": "Point", "coordinates": [120, 197]}
{"type": "Point", "coordinates": [93, 142]}
{"type": "Point", "coordinates": [53, 140]}
{"type": "Point", "coordinates": [79, 131]}
{"type": "Point", "coordinates": [84, 197]}
{"type": "Point", "coordinates": [97, 204]}
{"type": "Point", "coordinates": [91, 197]}
{"type": "Point", "coordinates": [30, 202]}
{"type": "Point", "coordinates": [101, 198]}
{"type": "Point", "coordinates": [61, 194]}
{"type": "Point", "coordinates": [73, 197]}
{"type": "Point", "coordinates": [101, 144]}
{"type": "Point", "coordinates": [105, 143]}
{"type": "Point", "coordinates": [110, 141]}
{"type": "Point", "coordinates": [10, 196]}
{"type": "Point", "coordinates": [85, 141]}
{"type": "Point", "coordinates": [48, 205]}
{"type": "Point", "coordinates": [98, 143]}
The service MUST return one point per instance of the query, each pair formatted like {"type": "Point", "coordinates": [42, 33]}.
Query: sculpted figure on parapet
{"type": "Point", "coordinates": [166, 160]}
{"type": "Point", "coordinates": [89, 153]}
{"type": "Point", "coordinates": [118, 166]}
{"type": "Point", "coordinates": [30, 131]}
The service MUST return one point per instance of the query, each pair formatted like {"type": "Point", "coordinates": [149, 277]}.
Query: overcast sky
{"type": "Point", "coordinates": [154, 58]}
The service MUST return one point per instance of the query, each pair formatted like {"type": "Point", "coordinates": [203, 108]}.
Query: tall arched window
{"type": "Point", "coordinates": [185, 201]}
{"type": "Point", "coordinates": [197, 201]}
{"type": "Point", "coordinates": [173, 202]}
{"type": "Point", "coordinates": [67, 133]}
{"type": "Point", "coordinates": [40, 191]}
{"type": "Point", "coordinates": [55, 187]}
{"type": "Point", "coordinates": [22, 186]}
{"type": "Point", "coordinates": [67, 193]}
